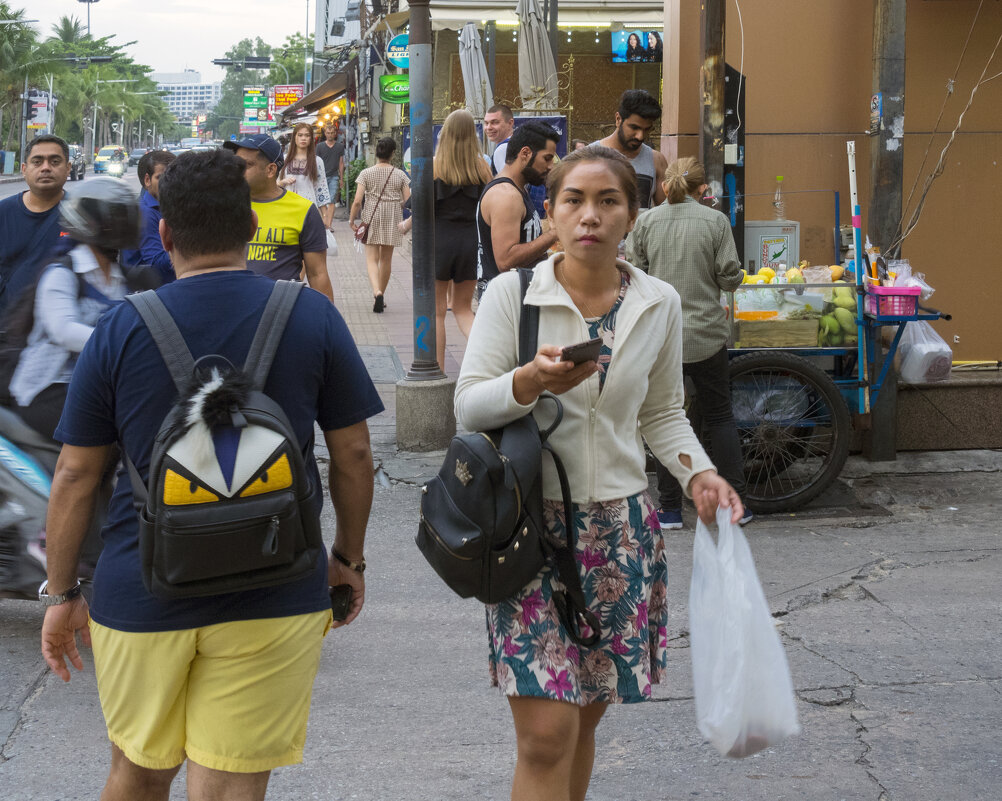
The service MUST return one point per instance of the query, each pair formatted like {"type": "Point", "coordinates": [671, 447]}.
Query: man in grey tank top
{"type": "Point", "coordinates": [638, 111]}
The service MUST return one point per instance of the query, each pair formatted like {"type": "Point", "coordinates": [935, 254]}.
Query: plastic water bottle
{"type": "Point", "coordinates": [778, 206]}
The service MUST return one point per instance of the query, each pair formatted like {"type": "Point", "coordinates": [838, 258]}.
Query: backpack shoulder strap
{"type": "Point", "coordinates": [166, 335]}
{"type": "Point", "coordinates": [270, 330]}
{"type": "Point", "coordinates": [528, 322]}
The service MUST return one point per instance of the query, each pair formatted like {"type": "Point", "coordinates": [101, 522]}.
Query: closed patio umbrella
{"type": "Point", "coordinates": [476, 82]}
{"type": "Point", "coordinates": [537, 78]}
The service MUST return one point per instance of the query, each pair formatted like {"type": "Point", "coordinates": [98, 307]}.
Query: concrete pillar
{"type": "Point", "coordinates": [426, 419]}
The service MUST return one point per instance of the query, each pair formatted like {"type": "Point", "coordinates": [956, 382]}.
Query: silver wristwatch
{"type": "Point", "coordinates": [54, 600]}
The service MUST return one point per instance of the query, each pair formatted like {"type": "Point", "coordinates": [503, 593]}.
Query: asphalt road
{"type": "Point", "coordinates": [8, 188]}
{"type": "Point", "coordinates": [887, 601]}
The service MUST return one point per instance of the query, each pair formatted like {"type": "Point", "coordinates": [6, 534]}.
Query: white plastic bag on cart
{"type": "Point", "coordinates": [923, 355]}
{"type": "Point", "coordinates": [744, 694]}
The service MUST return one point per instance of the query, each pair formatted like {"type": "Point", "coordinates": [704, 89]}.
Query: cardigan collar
{"type": "Point", "coordinates": [546, 290]}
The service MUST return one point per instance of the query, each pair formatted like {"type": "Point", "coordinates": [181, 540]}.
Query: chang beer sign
{"type": "Point", "coordinates": [394, 88]}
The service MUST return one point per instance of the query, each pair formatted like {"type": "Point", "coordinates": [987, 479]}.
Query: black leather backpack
{"type": "Point", "coordinates": [229, 504]}
{"type": "Point", "coordinates": [482, 527]}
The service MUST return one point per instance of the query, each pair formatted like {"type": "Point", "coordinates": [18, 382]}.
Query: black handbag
{"type": "Point", "coordinates": [482, 527]}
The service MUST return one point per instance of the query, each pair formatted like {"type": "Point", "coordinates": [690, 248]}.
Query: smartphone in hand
{"type": "Point", "coordinates": [582, 351]}
{"type": "Point", "coordinates": [340, 601]}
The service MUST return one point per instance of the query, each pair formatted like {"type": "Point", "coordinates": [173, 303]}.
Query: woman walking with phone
{"type": "Point", "coordinates": [558, 690]}
{"type": "Point", "coordinates": [384, 189]}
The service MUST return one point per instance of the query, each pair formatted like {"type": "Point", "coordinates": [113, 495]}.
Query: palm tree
{"type": "Point", "coordinates": [17, 43]}
{"type": "Point", "coordinates": [68, 30]}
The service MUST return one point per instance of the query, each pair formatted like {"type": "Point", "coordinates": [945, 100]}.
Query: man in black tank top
{"type": "Point", "coordinates": [508, 228]}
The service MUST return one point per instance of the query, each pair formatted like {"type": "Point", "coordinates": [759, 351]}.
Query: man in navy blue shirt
{"type": "Point", "coordinates": [151, 250]}
{"type": "Point", "coordinates": [223, 681]}
{"type": "Point", "coordinates": [29, 221]}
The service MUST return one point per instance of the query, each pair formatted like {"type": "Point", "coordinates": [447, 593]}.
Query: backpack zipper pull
{"type": "Point", "coordinates": [270, 547]}
{"type": "Point", "coordinates": [509, 471]}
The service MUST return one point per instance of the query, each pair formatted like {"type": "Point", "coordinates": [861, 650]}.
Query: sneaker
{"type": "Point", "coordinates": [747, 517]}
{"type": "Point", "coordinates": [670, 519]}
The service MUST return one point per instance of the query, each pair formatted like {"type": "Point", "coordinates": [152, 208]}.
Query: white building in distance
{"type": "Point", "coordinates": [186, 94]}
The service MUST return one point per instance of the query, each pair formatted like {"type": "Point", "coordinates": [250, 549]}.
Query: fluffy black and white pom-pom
{"type": "Point", "coordinates": [209, 404]}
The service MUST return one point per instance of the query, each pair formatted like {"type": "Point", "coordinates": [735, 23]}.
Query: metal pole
{"type": "Point", "coordinates": [306, 54]}
{"type": "Point", "coordinates": [24, 117]}
{"type": "Point", "coordinates": [711, 141]}
{"type": "Point", "coordinates": [554, 36]}
{"type": "Point", "coordinates": [492, 32]}
{"type": "Point", "coordinates": [425, 365]}
{"type": "Point", "coordinates": [51, 123]}
{"type": "Point", "coordinates": [887, 155]}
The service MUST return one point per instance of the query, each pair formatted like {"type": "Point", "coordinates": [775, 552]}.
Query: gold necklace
{"type": "Point", "coordinates": [589, 314]}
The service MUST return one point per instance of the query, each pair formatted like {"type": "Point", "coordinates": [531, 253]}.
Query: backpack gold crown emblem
{"type": "Point", "coordinates": [463, 472]}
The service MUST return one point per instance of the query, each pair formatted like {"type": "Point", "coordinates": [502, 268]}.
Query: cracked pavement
{"type": "Point", "coordinates": [890, 619]}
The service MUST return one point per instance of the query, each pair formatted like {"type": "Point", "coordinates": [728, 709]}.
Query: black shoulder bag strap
{"type": "Point", "coordinates": [570, 602]}
{"type": "Point", "coordinates": [528, 322]}
{"type": "Point", "coordinates": [176, 356]}
{"type": "Point", "coordinates": [269, 331]}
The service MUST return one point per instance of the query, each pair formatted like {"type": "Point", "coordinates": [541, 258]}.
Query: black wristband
{"type": "Point", "coordinates": [358, 567]}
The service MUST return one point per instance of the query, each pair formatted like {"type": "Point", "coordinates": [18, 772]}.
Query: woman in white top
{"type": "Point", "coordinates": [303, 171]}
{"type": "Point", "coordinates": [558, 690]}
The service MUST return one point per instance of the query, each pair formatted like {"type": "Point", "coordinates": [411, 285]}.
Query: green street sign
{"type": "Point", "coordinates": [394, 88]}
{"type": "Point", "coordinates": [255, 97]}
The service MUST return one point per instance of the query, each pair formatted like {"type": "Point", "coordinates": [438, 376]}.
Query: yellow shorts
{"type": "Point", "coordinates": [233, 696]}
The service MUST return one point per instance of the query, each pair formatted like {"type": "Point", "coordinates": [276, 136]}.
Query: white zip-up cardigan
{"type": "Point", "coordinates": [599, 438]}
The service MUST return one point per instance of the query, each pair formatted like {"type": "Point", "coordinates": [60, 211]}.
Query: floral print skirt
{"type": "Point", "coordinates": [624, 574]}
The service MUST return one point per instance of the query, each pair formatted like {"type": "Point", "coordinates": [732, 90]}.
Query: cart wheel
{"type": "Point", "coordinates": [794, 429]}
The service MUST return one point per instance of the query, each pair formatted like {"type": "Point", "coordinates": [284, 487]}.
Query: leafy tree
{"type": "Point", "coordinates": [225, 118]}
{"type": "Point", "coordinates": [120, 91]}
{"type": "Point", "coordinates": [18, 54]}
{"type": "Point", "coordinates": [291, 54]}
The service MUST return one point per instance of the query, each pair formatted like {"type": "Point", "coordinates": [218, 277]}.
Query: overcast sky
{"type": "Point", "coordinates": [171, 35]}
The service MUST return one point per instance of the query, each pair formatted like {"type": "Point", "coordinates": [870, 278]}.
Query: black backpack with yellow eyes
{"type": "Point", "coordinates": [229, 504]}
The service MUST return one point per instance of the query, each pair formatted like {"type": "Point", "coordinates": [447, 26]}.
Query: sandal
{"type": "Point", "coordinates": [377, 304]}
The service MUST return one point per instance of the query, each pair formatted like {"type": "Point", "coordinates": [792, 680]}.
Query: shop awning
{"type": "Point", "coordinates": [329, 90]}
{"type": "Point", "coordinates": [610, 15]}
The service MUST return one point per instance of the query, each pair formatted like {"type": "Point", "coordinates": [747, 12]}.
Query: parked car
{"type": "Point", "coordinates": [108, 154]}
{"type": "Point", "coordinates": [78, 167]}
{"type": "Point", "coordinates": [136, 154]}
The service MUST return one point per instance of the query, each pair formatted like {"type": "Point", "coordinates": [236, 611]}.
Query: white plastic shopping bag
{"type": "Point", "coordinates": [923, 355]}
{"type": "Point", "coordinates": [331, 244]}
{"type": "Point", "coordinates": [744, 694]}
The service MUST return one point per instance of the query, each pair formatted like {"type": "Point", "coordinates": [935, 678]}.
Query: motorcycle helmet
{"type": "Point", "coordinates": [103, 212]}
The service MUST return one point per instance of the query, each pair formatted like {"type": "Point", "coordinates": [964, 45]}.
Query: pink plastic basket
{"type": "Point", "coordinates": [892, 301]}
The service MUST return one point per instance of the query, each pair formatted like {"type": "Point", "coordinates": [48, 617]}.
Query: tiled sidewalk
{"type": "Point", "coordinates": [392, 331]}
{"type": "Point", "coordinates": [353, 297]}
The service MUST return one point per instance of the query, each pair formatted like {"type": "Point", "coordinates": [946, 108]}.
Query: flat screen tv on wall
{"type": "Point", "coordinates": [632, 47]}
